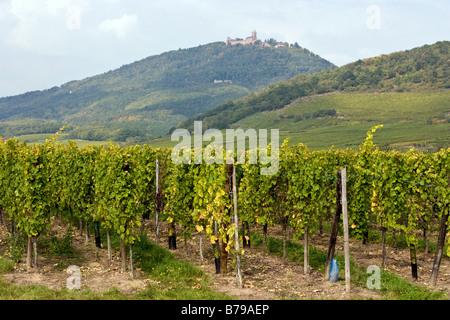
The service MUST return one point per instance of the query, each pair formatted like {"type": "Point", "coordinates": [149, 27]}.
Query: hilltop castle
{"type": "Point", "coordinates": [248, 40]}
{"type": "Point", "coordinates": [252, 40]}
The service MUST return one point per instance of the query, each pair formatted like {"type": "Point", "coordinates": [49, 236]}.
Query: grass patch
{"type": "Point", "coordinates": [393, 287]}
{"type": "Point", "coordinates": [175, 279]}
{"type": "Point", "coordinates": [10, 291]}
{"type": "Point", "coordinates": [6, 265]}
{"type": "Point", "coordinates": [55, 246]}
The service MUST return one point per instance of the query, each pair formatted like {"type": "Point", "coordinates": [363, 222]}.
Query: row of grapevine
{"type": "Point", "coordinates": [117, 188]}
{"type": "Point", "coordinates": [112, 186]}
{"type": "Point", "coordinates": [386, 189]}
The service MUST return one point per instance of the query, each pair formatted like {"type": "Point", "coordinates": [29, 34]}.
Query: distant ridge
{"type": "Point", "coordinates": [419, 69]}
{"type": "Point", "coordinates": [146, 98]}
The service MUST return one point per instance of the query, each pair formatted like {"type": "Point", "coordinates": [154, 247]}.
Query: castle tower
{"type": "Point", "coordinates": [254, 35]}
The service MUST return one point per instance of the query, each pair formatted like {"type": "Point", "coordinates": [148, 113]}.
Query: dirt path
{"type": "Point", "coordinates": [266, 277]}
{"type": "Point", "coordinates": [397, 261]}
{"type": "Point", "coordinates": [97, 272]}
{"type": "Point", "coordinates": [269, 277]}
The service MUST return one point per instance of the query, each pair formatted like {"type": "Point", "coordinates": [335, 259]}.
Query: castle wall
{"type": "Point", "coordinates": [247, 41]}
{"type": "Point", "coordinates": [252, 40]}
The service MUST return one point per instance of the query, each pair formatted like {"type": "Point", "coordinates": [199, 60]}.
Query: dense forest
{"type": "Point", "coordinates": [144, 99]}
{"type": "Point", "coordinates": [419, 69]}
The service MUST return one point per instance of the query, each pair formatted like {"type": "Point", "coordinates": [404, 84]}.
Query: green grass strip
{"type": "Point", "coordinates": [178, 279]}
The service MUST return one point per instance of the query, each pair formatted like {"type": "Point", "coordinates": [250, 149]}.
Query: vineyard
{"type": "Point", "coordinates": [118, 189]}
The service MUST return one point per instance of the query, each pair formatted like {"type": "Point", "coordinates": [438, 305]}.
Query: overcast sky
{"type": "Point", "coordinates": [45, 43]}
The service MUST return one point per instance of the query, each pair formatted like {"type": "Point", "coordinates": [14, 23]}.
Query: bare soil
{"type": "Point", "coordinates": [266, 277]}
{"type": "Point", "coordinates": [97, 272]}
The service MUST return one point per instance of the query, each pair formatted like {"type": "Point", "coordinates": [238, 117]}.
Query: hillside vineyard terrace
{"type": "Point", "coordinates": [213, 153]}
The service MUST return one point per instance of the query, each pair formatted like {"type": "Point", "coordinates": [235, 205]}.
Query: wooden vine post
{"type": "Point", "coordinates": [334, 230]}
{"type": "Point", "coordinates": [132, 272]}
{"type": "Point", "coordinates": [216, 247]}
{"type": "Point", "coordinates": [225, 224]}
{"type": "Point", "coordinates": [29, 253]}
{"type": "Point", "coordinates": [306, 269]}
{"type": "Point", "coordinates": [440, 244]}
{"type": "Point", "coordinates": [345, 222]}
{"type": "Point", "coordinates": [157, 200]}
{"type": "Point", "coordinates": [236, 235]}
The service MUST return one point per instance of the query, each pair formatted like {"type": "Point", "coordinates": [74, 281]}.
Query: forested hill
{"type": "Point", "coordinates": [144, 99]}
{"type": "Point", "coordinates": [419, 69]}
